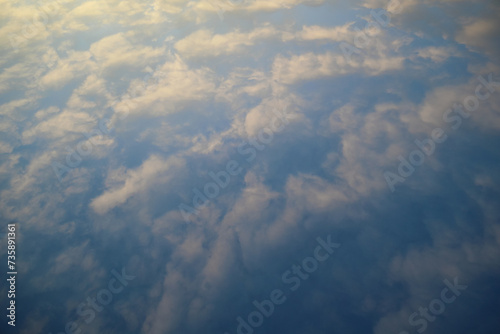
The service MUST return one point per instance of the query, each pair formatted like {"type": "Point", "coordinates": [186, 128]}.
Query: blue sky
{"type": "Point", "coordinates": [208, 150]}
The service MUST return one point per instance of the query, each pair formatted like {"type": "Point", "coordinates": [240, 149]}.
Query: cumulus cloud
{"type": "Point", "coordinates": [205, 43]}
{"type": "Point", "coordinates": [178, 83]}
{"type": "Point", "coordinates": [154, 170]}
{"type": "Point", "coordinates": [311, 66]}
{"type": "Point", "coordinates": [179, 86]}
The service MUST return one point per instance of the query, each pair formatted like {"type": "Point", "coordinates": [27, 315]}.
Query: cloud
{"type": "Point", "coordinates": [63, 124]}
{"type": "Point", "coordinates": [116, 51]}
{"type": "Point", "coordinates": [311, 66]}
{"type": "Point", "coordinates": [480, 34]}
{"type": "Point", "coordinates": [261, 5]}
{"type": "Point", "coordinates": [176, 84]}
{"type": "Point", "coordinates": [337, 34]}
{"type": "Point", "coordinates": [77, 64]}
{"type": "Point", "coordinates": [183, 89]}
{"type": "Point", "coordinates": [155, 170]}
{"type": "Point", "coordinates": [437, 54]}
{"type": "Point", "coordinates": [204, 43]}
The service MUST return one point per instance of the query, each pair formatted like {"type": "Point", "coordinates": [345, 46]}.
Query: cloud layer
{"type": "Point", "coordinates": [114, 114]}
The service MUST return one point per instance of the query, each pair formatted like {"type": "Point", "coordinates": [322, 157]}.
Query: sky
{"type": "Point", "coordinates": [250, 166]}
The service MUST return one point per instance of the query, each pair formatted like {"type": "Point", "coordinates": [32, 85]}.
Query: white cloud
{"type": "Point", "coordinates": [65, 123]}
{"type": "Point", "coordinates": [310, 66]}
{"type": "Point", "coordinates": [117, 51]}
{"type": "Point", "coordinates": [177, 84]}
{"type": "Point", "coordinates": [481, 34]}
{"type": "Point", "coordinates": [337, 34]}
{"type": "Point", "coordinates": [204, 42]}
{"type": "Point", "coordinates": [77, 64]}
{"type": "Point", "coordinates": [155, 170]}
{"type": "Point", "coordinates": [438, 54]}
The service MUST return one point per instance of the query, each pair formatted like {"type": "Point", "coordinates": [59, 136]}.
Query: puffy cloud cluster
{"type": "Point", "coordinates": [166, 93]}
